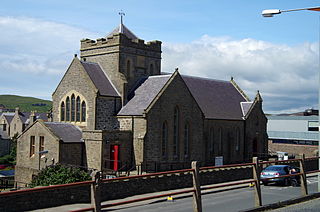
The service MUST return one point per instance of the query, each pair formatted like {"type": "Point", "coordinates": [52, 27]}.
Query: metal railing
{"type": "Point", "coordinates": [256, 166]}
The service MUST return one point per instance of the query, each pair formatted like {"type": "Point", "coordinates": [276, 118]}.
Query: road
{"type": "Point", "coordinates": [233, 200]}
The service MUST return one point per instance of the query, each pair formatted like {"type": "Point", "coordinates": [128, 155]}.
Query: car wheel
{"type": "Point", "coordinates": [265, 183]}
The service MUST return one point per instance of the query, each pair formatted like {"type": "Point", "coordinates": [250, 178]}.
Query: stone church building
{"type": "Point", "coordinates": [114, 109]}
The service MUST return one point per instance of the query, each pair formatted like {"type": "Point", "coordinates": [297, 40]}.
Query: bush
{"type": "Point", "coordinates": [7, 160]}
{"type": "Point", "coordinates": [59, 174]}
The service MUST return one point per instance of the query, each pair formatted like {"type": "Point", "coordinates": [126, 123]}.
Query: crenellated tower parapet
{"type": "Point", "coordinates": [124, 60]}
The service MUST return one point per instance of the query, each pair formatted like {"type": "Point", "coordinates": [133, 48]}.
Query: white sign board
{"type": "Point", "coordinates": [218, 161]}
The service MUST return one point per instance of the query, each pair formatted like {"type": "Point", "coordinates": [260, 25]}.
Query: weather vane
{"type": "Point", "coordinates": [121, 13]}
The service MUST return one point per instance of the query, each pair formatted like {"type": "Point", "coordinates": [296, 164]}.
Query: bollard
{"type": "Point", "coordinates": [197, 205]}
{"type": "Point", "coordinates": [303, 178]}
{"type": "Point", "coordinates": [96, 191]}
{"type": "Point", "coordinates": [256, 177]}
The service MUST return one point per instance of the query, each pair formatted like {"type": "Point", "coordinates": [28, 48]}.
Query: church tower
{"type": "Point", "coordinates": [124, 58]}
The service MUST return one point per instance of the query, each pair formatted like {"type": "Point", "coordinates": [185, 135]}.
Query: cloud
{"type": "Point", "coordinates": [34, 52]}
{"type": "Point", "coordinates": [34, 55]}
{"type": "Point", "coordinates": [287, 76]}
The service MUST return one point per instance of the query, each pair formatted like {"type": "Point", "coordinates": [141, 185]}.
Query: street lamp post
{"type": "Point", "coordinates": [271, 13]}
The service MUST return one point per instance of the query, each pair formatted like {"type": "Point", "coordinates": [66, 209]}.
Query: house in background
{"type": "Point", "coordinates": [132, 114]}
{"type": "Point", "coordinates": [294, 134]}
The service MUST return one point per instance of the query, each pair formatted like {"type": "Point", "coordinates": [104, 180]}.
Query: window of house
{"type": "Point", "coordinates": [186, 139]}
{"type": "Point", "coordinates": [73, 107]}
{"type": "Point", "coordinates": [176, 131]}
{"type": "Point", "coordinates": [68, 109]}
{"type": "Point", "coordinates": [211, 141]}
{"type": "Point", "coordinates": [83, 111]}
{"type": "Point", "coordinates": [78, 111]}
{"type": "Point", "coordinates": [4, 127]}
{"type": "Point", "coordinates": [41, 143]}
{"type": "Point", "coordinates": [164, 139]}
{"type": "Point", "coordinates": [62, 111]}
{"type": "Point", "coordinates": [32, 145]}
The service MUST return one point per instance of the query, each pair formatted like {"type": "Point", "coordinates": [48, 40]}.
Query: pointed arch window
{"type": "Point", "coordinates": [186, 140]}
{"type": "Point", "coordinates": [78, 110]}
{"type": "Point", "coordinates": [220, 140]}
{"type": "Point", "coordinates": [128, 68]}
{"type": "Point", "coordinates": [211, 142]}
{"type": "Point", "coordinates": [151, 69]}
{"type": "Point", "coordinates": [83, 111]}
{"type": "Point", "coordinates": [73, 107]}
{"type": "Point", "coordinates": [62, 111]}
{"type": "Point", "coordinates": [176, 132]}
{"type": "Point", "coordinates": [237, 147]}
{"type": "Point", "coordinates": [164, 141]}
{"type": "Point", "coordinates": [68, 109]}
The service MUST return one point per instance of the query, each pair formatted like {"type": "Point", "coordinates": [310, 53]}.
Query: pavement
{"type": "Point", "coordinates": [269, 207]}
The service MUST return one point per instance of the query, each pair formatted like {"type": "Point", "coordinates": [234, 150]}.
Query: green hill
{"type": "Point", "coordinates": [26, 104]}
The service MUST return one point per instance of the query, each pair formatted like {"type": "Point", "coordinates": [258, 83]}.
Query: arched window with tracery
{"type": "Point", "coordinates": [68, 109]}
{"type": "Point", "coordinates": [83, 111]}
{"type": "Point", "coordinates": [73, 107]}
{"type": "Point", "coordinates": [164, 139]}
{"type": "Point", "coordinates": [62, 111]}
{"type": "Point", "coordinates": [78, 110]}
{"type": "Point", "coordinates": [186, 140]}
{"type": "Point", "coordinates": [176, 132]}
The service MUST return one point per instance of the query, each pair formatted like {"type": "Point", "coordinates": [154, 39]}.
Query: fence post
{"type": "Point", "coordinates": [96, 191]}
{"type": "Point", "coordinates": [256, 177]}
{"type": "Point", "coordinates": [197, 205]}
{"type": "Point", "coordinates": [303, 178]}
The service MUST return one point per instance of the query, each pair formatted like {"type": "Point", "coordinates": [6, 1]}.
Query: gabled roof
{"type": "Point", "coordinates": [245, 107]}
{"type": "Point", "coordinates": [99, 79]}
{"type": "Point", "coordinates": [217, 99]}
{"type": "Point", "coordinates": [144, 95]}
{"type": "Point", "coordinates": [67, 132]}
{"type": "Point", "coordinates": [124, 30]}
{"type": "Point", "coordinates": [8, 116]}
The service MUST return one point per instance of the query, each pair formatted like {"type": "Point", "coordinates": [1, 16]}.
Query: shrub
{"type": "Point", "coordinates": [59, 174]}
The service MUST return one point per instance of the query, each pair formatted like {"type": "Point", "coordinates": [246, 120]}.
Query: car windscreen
{"type": "Point", "coordinates": [273, 168]}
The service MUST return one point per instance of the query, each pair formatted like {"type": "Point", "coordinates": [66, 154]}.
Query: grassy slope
{"type": "Point", "coordinates": [24, 103]}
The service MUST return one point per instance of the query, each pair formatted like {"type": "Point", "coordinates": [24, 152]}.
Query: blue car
{"type": "Point", "coordinates": [280, 170]}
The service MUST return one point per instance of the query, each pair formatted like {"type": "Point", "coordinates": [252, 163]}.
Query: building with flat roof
{"type": "Point", "coordinates": [293, 134]}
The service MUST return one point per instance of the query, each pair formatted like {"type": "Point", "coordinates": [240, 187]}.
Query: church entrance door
{"type": "Point", "coordinates": [114, 157]}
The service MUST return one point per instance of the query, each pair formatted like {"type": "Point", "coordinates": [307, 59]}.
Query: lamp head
{"type": "Point", "coordinates": [270, 13]}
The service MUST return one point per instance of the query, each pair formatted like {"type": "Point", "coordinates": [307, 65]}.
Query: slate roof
{"type": "Point", "coordinates": [100, 80]}
{"type": "Point", "coordinates": [25, 116]}
{"type": "Point", "coordinates": [124, 30]}
{"type": "Point", "coordinates": [8, 116]}
{"type": "Point", "coordinates": [245, 106]}
{"type": "Point", "coordinates": [217, 99]}
{"type": "Point", "coordinates": [67, 132]}
{"type": "Point", "coordinates": [144, 95]}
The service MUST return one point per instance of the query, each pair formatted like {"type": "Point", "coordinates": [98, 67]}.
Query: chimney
{"type": "Point", "coordinates": [32, 117]}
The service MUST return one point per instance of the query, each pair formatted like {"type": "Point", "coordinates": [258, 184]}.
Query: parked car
{"type": "Point", "coordinates": [280, 170]}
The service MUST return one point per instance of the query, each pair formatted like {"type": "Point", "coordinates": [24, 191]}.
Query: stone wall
{"type": "Point", "coordinates": [107, 108]}
{"type": "Point", "coordinates": [176, 96]}
{"type": "Point", "coordinates": [73, 83]}
{"type": "Point", "coordinates": [224, 134]}
{"type": "Point", "coordinates": [28, 164]}
{"type": "Point", "coordinates": [120, 189]}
